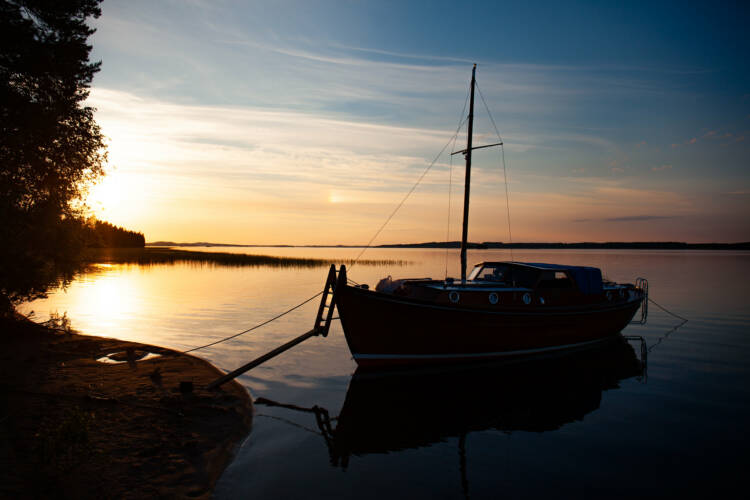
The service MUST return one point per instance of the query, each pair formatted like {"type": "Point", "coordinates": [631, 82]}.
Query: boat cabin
{"type": "Point", "coordinates": [534, 276]}
{"type": "Point", "coordinates": [491, 284]}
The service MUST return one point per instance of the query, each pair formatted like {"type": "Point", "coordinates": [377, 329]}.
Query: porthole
{"type": "Point", "coordinates": [622, 293]}
{"type": "Point", "coordinates": [453, 297]}
{"type": "Point", "coordinates": [541, 300]}
{"type": "Point", "coordinates": [526, 298]}
{"type": "Point", "coordinates": [609, 296]}
{"type": "Point", "coordinates": [493, 298]}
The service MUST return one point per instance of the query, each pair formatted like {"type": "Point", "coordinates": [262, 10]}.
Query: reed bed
{"type": "Point", "coordinates": [164, 255]}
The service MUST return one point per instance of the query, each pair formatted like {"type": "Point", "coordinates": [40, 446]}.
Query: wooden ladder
{"type": "Point", "coordinates": [323, 324]}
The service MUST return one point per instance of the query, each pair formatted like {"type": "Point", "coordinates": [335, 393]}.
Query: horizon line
{"type": "Point", "coordinates": [451, 244]}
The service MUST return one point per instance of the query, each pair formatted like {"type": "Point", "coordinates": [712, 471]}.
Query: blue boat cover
{"type": "Point", "coordinates": [589, 279]}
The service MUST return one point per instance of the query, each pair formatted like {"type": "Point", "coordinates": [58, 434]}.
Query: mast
{"type": "Point", "coordinates": [467, 182]}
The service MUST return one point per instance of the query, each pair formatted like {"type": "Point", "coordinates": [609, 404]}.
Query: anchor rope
{"type": "Point", "coordinates": [666, 335]}
{"type": "Point", "coordinates": [666, 310]}
{"type": "Point", "coordinates": [505, 174]}
{"type": "Point", "coordinates": [290, 422]}
{"type": "Point", "coordinates": [256, 326]}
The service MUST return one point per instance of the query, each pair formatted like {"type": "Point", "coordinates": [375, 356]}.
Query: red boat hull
{"type": "Point", "coordinates": [382, 329]}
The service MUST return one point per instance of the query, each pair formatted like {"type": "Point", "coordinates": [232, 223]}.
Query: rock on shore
{"type": "Point", "coordinates": [75, 427]}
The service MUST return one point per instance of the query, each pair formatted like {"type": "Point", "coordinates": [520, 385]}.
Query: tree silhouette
{"type": "Point", "coordinates": [51, 148]}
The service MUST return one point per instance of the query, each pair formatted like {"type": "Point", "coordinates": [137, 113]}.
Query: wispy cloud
{"type": "Point", "coordinates": [629, 218]}
{"type": "Point", "coordinates": [404, 55]}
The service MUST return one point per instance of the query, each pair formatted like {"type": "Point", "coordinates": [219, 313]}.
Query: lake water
{"type": "Point", "coordinates": [591, 428]}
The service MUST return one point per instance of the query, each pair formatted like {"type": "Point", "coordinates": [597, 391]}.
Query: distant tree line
{"type": "Point", "coordinates": [612, 245]}
{"type": "Point", "coordinates": [105, 235]}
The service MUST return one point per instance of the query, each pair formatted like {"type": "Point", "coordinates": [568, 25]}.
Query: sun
{"type": "Point", "coordinates": [107, 195]}
{"type": "Point", "coordinates": [334, 197]}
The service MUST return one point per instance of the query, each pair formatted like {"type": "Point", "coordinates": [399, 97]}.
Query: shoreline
{"type": "Point", "coordinates": [648, 245]}
{"type": "Point", "coordinates": [150, 255]}
{"type": "Point", "coordinates": [75, 427]}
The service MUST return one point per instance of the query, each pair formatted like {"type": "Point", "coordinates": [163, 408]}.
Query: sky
{"type": "Point", "coordinates": [307, 122]}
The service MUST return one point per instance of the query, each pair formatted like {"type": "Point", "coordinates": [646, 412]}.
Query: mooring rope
{"type": "Point", "coordinates": [290, 422]}
{"type": "Point", "coordinates": [256, 326]}
{"type": "Point", "coordinates": [684, 320]}
{"type": "Point", "coordinates": [666, 335]}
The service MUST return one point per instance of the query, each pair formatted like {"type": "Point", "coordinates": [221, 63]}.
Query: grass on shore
{"type": "Point", "coordinates": [164, 255]}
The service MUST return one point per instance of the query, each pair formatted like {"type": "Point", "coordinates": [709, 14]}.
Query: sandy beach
{"type": "Point", "coordinates": [75, 427]}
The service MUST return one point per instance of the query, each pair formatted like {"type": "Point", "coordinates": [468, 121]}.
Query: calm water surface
{"type": "Point", "coordinates": [581, 428]}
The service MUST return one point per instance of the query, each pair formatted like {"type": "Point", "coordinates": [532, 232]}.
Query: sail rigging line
{"type": "Point", "coordinates": [256, 326]}
{"type": "Point", "coordinates": [450, 184]}
{"type": "Point", "coordinates": [448, 225]}
{"type": "Point", "coordinates": [398, 207]}
{"type": "Point", "coordinates": [505, 175]}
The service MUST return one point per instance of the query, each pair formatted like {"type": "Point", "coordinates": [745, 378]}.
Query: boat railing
{"type": "Point", "coordinates": [641, 284]}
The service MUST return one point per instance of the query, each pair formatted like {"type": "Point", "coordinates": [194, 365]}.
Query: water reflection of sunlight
{"type": "Point", "coordinates": [107, 297]}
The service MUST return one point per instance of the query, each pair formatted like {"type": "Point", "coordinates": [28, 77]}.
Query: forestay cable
{"type": "Point", "coordinates": [398, 207]}
{"type": "Point", "coordinates": [450, 186]}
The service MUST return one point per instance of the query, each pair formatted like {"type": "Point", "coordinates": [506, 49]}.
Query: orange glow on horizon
{"type": "Point", "coordinates": [255, 179]}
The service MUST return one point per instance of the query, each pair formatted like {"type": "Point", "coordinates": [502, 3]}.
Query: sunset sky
{"type": "Point", "coordinates": [306, 122]}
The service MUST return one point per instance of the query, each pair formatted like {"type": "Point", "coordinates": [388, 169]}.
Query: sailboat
{"type": "Point", "coordinates": [499, 310]}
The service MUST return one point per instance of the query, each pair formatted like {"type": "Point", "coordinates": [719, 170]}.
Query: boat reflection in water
{"type": "Point", "coordinates": [396, 410]}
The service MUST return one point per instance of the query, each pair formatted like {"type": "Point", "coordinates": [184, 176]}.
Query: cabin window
{"type": "Point", "coordinates": [475, 272]}
{"type": "Point", "coordinates": [525, 277]}
{"type": "Point", "coordinates": [493, 273]}
{"type": "Point", "coordinates": [555, 279]}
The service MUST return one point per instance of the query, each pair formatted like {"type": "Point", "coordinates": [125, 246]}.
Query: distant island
{"type": "Point", "coordinates": [638, 245]}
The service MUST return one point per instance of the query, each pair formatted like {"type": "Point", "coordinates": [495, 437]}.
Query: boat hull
{"type": "Point", "coordinates": [382, 329]}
